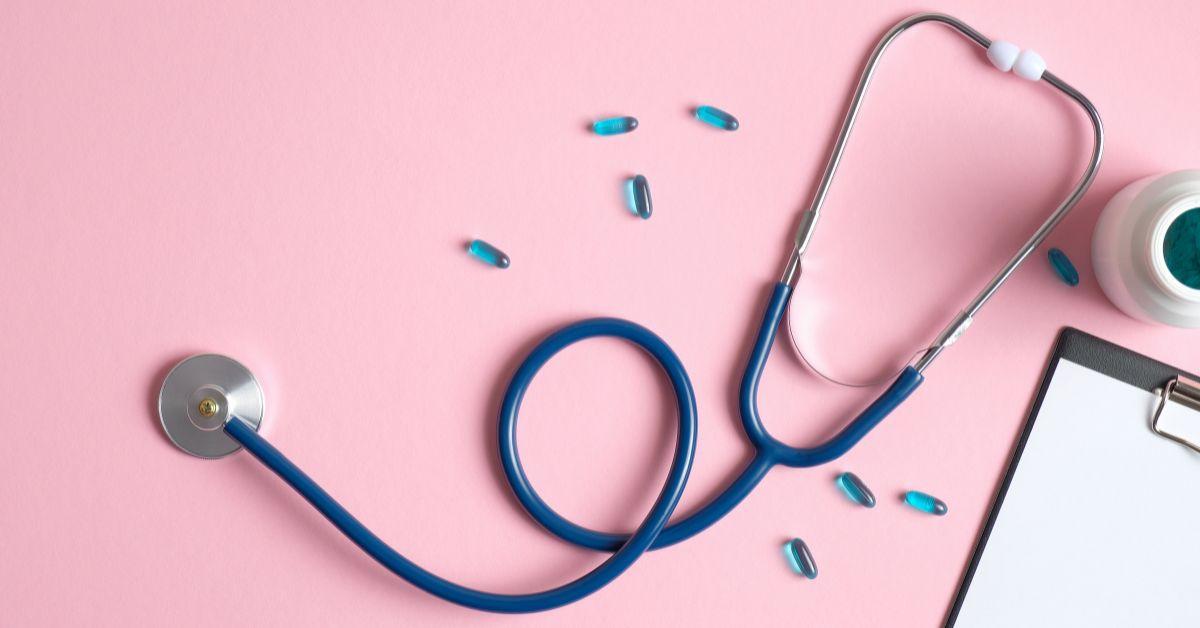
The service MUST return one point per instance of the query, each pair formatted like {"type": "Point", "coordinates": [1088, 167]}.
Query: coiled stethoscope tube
{"type": "Point", "coordinates": [653, 532]}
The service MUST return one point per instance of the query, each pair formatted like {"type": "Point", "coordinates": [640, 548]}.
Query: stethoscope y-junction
{"type": "Point", "coordinates": [211, 405]}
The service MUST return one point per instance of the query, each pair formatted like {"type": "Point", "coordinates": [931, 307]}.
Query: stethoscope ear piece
{"type": "Point", "coordinates": [199, 395]}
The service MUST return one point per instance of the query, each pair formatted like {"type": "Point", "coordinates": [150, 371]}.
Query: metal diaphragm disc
{"type": "Point", "coordinates": [199, 395]}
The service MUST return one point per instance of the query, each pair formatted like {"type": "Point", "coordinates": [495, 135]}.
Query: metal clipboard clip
{"type": "Point", "coordinates": [1185, 392]}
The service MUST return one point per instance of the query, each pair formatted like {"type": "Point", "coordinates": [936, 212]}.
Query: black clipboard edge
{"type": "Point", "coordinates": [1091, 352]}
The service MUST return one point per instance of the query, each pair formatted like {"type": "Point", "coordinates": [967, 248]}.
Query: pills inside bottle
{"type": "Point", "coordinates": [1146, 249]}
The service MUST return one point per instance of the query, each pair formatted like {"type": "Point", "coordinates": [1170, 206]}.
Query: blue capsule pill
{"type": "Point", "coordinates": [638, 191]}
{"type": "Point", "coordinates": [488, 253]}
{"type": "Point", "coordinates": [800, 558]}
{"type": "Point", "coordinates": [1063, 266]}
{"type": "Point", "coordinates": [856, 490]}
{"type": "Point", "coordinates": [715, 117]}
{"type": "Point", "coordinates": [926, 503]}
{"type": "Point", "coordinates": [614, 126]}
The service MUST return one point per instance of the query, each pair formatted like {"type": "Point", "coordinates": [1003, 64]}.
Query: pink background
{"type": "Point", "coordinates": [293, 185]}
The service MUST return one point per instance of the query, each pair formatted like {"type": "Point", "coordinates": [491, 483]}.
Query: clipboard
{"type": "Point", "coordinates": [1097, 519]}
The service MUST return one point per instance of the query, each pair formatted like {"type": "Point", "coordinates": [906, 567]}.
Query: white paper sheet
{"type": "Point", "coordinates": [1101, 524]}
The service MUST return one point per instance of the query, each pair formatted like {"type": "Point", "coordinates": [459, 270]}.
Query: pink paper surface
{"type": "Point", "coordinates": [293, 184]}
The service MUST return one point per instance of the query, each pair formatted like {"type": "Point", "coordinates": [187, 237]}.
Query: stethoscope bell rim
{"type": "Point", "coordinates": [199, 395]}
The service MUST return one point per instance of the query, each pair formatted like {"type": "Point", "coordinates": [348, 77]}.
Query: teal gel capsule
{"type": "Point", "coordinates": [488, 253]}
{"type": "Point", "coordinates": [1063, 267]}
{"type": "Point", "coordinates": [637, 190]}
{"type": "Point", "coordinates": [614, 126]}
{"type": "Point", "coordinates": [926, 503]}
{"type": "Point", "coordinates": [856, 490]}
{"type": "Point", "coordinates": [800, 559]}
{"type": "Point", "coordinates": [715, 117]}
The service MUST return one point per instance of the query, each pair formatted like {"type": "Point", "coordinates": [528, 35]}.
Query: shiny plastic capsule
{"type": "Point", "coordinates": [715, 117]}
{"type": "Point", "coordinates": [800, 559]}
{"type": "Point", "coordinates": [1063, 267]}
{"type": "Point", "coordinates": [614, 126]}
{"type": "Point", "coordinates": [926, 503]}
{"type": "Point", "coordinates": [856, 490]}
{"type": "Point", "coordinates": [638, 191]}
{"type": "Point", "coordinates": [488, 253]}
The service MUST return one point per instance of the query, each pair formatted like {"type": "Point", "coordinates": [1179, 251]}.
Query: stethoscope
{"type": "Point", "coordinates": [211, 405]}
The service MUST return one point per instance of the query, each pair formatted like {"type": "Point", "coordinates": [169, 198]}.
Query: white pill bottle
{"type": "Point", "coordinates": [1146, 249]}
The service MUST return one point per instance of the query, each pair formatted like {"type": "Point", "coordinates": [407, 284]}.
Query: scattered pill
{"type": "Point", "coordinates": [856, 490]}
{"type": "Point", "coordinates": [488, 253]}
{"type": "Point", "coordinates": [614, 126]}
{"type": "Point", "coordinates": [1063, 266]}
{"type": "Point", "coordinates": [926, 503]}
{"type": "Point", "coordinates": [800, 558]}
{"type": "Point", "coordinates": [715, 117]}
{"type": "Point", "coordinates": [638, 190]}
{"type": "Point", "coordinates": [630, 201]}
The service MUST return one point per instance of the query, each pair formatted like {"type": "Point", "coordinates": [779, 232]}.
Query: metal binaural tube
{"type": "Point", "coordinates": [810, 216]}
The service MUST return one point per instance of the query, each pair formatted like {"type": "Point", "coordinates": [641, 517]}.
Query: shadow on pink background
{"type": "Point", "coordinates": [292, 185]}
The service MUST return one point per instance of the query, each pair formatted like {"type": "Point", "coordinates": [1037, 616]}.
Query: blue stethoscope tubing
{"type": "Point", "coordinates": [653, 532]}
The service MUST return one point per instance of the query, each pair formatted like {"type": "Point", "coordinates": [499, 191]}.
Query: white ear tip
{"type": "Point", "coordinates": [1030, 65]}
{"type": "Point", "coordinates": [1003, 54]}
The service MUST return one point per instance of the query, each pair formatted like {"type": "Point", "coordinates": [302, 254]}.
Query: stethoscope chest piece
{"type": "Point", "coordinates": [199, 395]}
